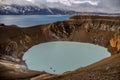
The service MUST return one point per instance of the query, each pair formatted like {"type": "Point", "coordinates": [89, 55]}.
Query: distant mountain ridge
{"type": "Point", "coordinates": [26, 7]}
{"type": "Point", "coordinates": [30, 10]}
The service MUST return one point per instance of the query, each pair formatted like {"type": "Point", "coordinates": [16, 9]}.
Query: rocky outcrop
{"type": "Point", "coordinates": [98, 30]}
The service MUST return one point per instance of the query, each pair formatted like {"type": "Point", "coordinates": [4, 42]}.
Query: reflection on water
{"type": "Point", "coordinates": [58, 57]}
{"type": "Point", "coordinates": [30, 20]}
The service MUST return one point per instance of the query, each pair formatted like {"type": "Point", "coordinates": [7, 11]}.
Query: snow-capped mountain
{"type": "Point", "coordinates": [28, 7]}
{"type": "Point", "coordinates": [30, 10]}
{"type": "Point", "coordinates": [52, 7]}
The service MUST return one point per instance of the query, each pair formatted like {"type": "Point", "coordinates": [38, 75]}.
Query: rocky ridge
{"type": "Point", "coordinates": [98, 30]}
{"type": "Point", "coordinates": [32, 10]}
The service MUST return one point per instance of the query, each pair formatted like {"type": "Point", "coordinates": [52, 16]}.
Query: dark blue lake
{"type": "Point", "coordinates": [30, 20]}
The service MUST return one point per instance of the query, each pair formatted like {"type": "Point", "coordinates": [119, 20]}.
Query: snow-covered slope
{"type": "Point", "coordinates": [32, 10]}
{"type": "Point", "coordinates": [29, 7]}
{"type": "Point", "coordinates": [53, 7]}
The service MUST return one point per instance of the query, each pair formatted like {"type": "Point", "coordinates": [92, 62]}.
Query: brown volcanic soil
{"type": "Point", "coordinates": [101, 30]}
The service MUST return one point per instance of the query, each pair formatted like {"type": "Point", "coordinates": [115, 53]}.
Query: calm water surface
{"type": "Point", "coordinates": [56, 57]}
{"type": "Point", "coordinates": [30, 20]}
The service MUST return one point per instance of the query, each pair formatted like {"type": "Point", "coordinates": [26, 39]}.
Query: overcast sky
{"type": "Point", "coordinates": [110, 3]}
{"type": "Point", "coordinates": [113, 5]}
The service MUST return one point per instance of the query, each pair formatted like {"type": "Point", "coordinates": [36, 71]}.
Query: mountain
{"type": "Point", "coordinates": [30, 10]}
{"type": "Point", "coordinates": [60, 7]}
{"type": "Point", "coordinates": [25, 7]}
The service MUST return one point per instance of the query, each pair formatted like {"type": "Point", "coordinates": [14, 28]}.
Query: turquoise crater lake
{"type": "Point", "coordinates": [55, 57]}
{"type": "Point", "coordinates": [59, 57]}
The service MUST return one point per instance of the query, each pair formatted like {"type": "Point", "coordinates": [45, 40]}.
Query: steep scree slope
{"type": "Point", "coordinates": [98, 30]}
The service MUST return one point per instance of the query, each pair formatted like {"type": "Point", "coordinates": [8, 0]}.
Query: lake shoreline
{"type": "Point", "coordinates": [18, 40]}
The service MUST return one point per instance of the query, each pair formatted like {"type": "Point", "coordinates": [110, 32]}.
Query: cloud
{"type": "Point", "coordinates": [29, 0]}
{"type": "Point", "coordinates": [52, 0]}
{"type": "Point", "coordinates": [111, 4]}
{"type": "Point", "coordinates": [70, 2]}
{"type": "Point", "coordinates": [78, 5]}
{"type": "Point", "coordinates": [85, 1]}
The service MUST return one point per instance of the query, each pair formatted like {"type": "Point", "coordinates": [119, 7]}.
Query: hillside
{"type": "Point", "coordinates": [100, 30]}
{"type": "Point", "coordinates": [58, 7]}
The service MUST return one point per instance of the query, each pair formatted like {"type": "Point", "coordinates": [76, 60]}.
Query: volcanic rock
{"type": "Point", "coordinates": [98, 30]}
